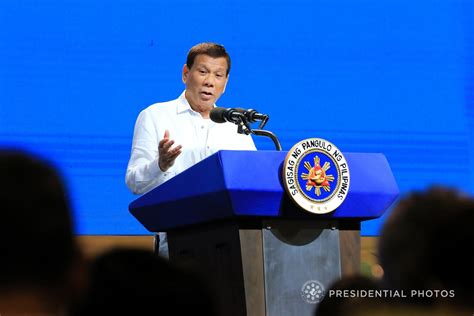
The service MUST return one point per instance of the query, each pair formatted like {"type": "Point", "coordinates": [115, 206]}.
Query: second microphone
{"type": "Point", "coordinates": [235, 115]}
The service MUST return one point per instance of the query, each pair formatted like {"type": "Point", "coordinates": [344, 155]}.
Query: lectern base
{"type": "Point", "coordinates": [272, 267]}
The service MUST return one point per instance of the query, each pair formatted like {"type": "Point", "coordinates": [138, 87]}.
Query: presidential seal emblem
{"type": "Point", "coordinates": [316, 175]}
{"type": "Point", "coordinates": [312, 292]}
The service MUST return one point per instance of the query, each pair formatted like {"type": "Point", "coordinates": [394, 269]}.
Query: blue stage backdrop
{"type": "Point", "coordinates": [392, 76]}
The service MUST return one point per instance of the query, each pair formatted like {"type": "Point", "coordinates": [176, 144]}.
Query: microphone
{"type": "Point", "coordinates": [252, 115]}
{"type": "Point", "coordinates": [222, 115]}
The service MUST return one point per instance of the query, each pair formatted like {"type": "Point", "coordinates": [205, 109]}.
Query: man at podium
{"type": "Point", "coordinates": [170, 137]}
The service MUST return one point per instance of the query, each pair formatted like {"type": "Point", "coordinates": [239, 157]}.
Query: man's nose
{"type": "Point", "coordinates": [209, 81]}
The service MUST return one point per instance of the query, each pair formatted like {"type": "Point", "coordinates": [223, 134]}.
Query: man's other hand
{"type": "Point", "coordinates": [167, 155]}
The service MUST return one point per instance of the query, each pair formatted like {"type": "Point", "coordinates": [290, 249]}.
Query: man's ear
{"type": "Point", "coordinates": [185, 73]}
{"type": "Point", "coordinates": [225, 86]}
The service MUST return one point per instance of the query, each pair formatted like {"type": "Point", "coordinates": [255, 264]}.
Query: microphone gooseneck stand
{"type": "Point", "coordinates": [262, 132]}
{"type": "Point", "coordinates": [245, 128]}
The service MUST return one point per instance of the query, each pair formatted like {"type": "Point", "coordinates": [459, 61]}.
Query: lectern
{"type": "Point", "coordinates": [230, 215]}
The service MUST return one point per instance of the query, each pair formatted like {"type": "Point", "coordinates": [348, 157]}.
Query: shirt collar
{"type": "Point", "coordinates": [183, 104]}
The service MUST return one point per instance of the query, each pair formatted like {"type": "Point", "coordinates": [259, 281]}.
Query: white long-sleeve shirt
{"type": "Point", "coordinates": [199, 138]}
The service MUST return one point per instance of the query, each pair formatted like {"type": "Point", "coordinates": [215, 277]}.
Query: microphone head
{"type": "Point", "coordinates": [217, 115]}
{"type": "Point", "coordinates": [250, 114]}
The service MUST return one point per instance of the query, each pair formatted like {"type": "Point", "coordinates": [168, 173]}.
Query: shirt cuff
{"type": "Point", "coordinates": [160, 176]}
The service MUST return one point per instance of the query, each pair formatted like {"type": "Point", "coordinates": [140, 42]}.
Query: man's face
{"type": "Point", "coordinates": [205, 82]}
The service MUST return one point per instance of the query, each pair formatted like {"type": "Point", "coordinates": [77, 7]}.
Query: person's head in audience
{"type": "Point", "coordinates": [427, 243]}
{"type": "Point", "coordinates": [40, 261]}
{"type": "Point", "coordinates": [128, 281]}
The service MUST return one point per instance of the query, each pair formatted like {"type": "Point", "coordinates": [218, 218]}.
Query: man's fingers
{"type": "Point", "coordinates": [175, 150]}
{"type": "Point", "coordinates": [167, 154]}
{"type": "Point", "coordinates": [162, 142]}
{"type": "Point", "coordinates": [174, 154]}
{"type": "Point", "coordinates": [167, 157]}
{"type": "Point", "coordinates": [171, 156]}
{"type": "Point", "coordinates": [166, 138]}
{"type": "Point", "coordinates": [165, 145]}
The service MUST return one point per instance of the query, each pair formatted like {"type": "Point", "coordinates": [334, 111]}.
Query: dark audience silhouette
{"type": "Point", "coordinates": [41, 269]}
{"type": "Point", "coordinates": [127, 281]}
{"type": "Point", "coordinates": [427, 245]}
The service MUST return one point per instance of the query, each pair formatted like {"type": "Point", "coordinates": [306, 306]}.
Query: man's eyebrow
{"type": "Point", "coordinates": [223, 69]}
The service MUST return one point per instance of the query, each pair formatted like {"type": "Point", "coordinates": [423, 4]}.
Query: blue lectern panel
{"type": "Point", "coordinates": [247, 184]}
